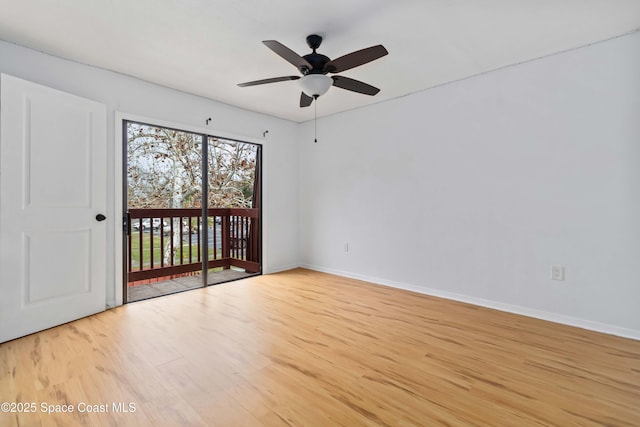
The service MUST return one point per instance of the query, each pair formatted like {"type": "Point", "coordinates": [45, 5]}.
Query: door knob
{"type": "Point", "coordinates": [100, 217]}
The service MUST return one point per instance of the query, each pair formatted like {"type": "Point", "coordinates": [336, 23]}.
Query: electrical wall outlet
{"type": "Point", "coordinates": [557, 272]}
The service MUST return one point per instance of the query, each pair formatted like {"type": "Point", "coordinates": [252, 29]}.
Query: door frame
{"type": "Point", "coordinates": [120, 185]}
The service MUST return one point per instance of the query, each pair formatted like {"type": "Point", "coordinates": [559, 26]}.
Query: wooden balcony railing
{"type": "Point", "coordinates": [165, 242]}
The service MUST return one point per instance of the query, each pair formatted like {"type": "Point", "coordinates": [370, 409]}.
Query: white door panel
{"type": "Point", "coordinates": [52, 186]}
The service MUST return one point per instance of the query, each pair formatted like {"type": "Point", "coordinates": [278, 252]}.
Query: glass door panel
{"type": "Point", "coordinates": [164, 200]}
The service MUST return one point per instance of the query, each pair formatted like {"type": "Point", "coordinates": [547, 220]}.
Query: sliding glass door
{"type": "Point", "coordinates": [183, 231]}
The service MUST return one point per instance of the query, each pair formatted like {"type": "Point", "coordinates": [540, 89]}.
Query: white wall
{"type": "Point", "coordinates": [133, 96]}
{"type": "Point", "coordinates": [474, 189]}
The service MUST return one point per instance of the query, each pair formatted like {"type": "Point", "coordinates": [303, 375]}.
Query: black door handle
{"type": "Point", "coordinates": [100, 217]}
{"type": "Point", "coordinates": [126, 223]}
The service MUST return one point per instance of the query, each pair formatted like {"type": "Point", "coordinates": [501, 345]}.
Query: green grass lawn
{"type": "Point", "coordinates": [158, 251]}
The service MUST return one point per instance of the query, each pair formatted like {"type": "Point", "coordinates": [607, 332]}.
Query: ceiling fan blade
{"type": "Point", "coordinates": [354, 85]}
{"type": "Point", "coordinates": [355, 59]}
{"type": "Point", "coordinates": [265, 81]}
{"type": "Point", "coordinates": [287, 54]}
{"type": "Point", "coordinates": [305, 100]}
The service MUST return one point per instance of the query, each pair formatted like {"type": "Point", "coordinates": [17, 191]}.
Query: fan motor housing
{"type": "Point", "coordinates": [317, 61]}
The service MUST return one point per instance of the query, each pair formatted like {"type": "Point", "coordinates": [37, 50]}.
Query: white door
{"type": "Point", "coordinates": [52, 186]}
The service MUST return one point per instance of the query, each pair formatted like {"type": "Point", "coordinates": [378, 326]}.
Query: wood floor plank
{"type": "Point", "coordinates": [302, 348]}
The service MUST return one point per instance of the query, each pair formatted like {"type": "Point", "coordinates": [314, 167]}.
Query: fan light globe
{"type": "Point", "coordinates": [315, 84]}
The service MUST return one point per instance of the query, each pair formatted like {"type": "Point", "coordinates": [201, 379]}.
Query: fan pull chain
{"type": "Point", "coordinates": [315, 120]}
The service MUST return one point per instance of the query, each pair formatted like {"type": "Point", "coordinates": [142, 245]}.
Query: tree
{"type": "Point", "coordinates": [165, 169]}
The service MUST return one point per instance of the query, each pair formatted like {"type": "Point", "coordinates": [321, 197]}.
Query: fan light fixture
{"type": "Point", "coordinates": [314, 67]}
{"type": "Point", "coordinates": [315, 85]}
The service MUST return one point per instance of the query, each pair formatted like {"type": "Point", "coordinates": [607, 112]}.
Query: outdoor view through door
{"type": "Point", "coordinates": [183, 231]}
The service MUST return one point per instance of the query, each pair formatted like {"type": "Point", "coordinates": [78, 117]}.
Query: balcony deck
{"type": "Point", "coordinates": [166, 248]}
{"type": "Point", "coordinates": [180, 284]}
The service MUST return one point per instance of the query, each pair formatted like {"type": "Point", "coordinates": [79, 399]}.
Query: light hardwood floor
{"type": "Point", "coordinates": [302, 348]}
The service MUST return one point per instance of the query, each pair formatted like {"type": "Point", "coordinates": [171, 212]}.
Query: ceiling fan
{"type": "Point", "coordinates": [314, 68]}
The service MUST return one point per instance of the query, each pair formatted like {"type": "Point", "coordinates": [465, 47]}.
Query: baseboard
{"type": "Point", "coordinates": [278, 269]}
{"type": "Point", "coordinates": [510, 308]}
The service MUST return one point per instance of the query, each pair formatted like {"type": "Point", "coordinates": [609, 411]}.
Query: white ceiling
{"type": "Point", "coordinates": [206, 47]}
